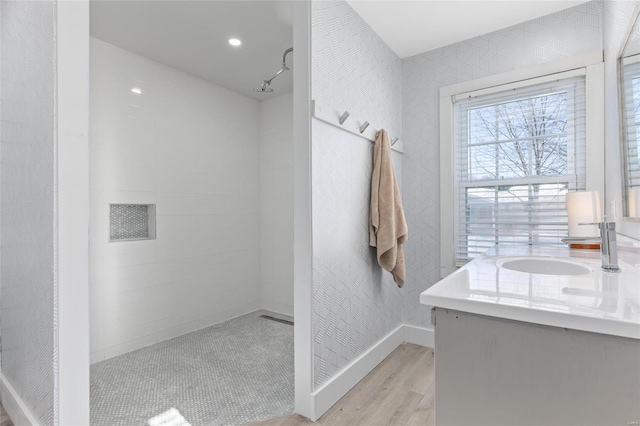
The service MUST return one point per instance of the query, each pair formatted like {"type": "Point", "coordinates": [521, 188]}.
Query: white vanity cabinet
{"type": "Point", "coordinates": [526, 348]}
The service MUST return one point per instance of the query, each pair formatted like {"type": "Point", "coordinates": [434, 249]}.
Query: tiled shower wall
{"type": "Point", "coordinates": [27, 153]}
{"type": "Point", "coordinates": [550, 38]}
{"type": "Point", "coordinates": [354, 303]}
{"type": "Point", "coordinates": [276, 203]}
{"type": "Point", "coordinates": [192, 148]}
{"type": "Point", "coordinates": [617, 19]}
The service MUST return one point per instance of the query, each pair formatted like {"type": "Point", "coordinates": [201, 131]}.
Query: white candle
{"type": "Point", "coordinates": [584, 207]}
{"type": "Point", "coordinates": [634, 202]}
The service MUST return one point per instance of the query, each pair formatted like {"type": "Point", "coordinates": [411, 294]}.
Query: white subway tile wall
{"type": "Point", "coordinates": [191, 148]}
{"type": "Point", "coordinates": [276, 202]}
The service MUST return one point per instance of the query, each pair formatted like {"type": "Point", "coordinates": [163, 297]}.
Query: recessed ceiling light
{"type": "Point", "coordinates": [235, 42]}
{"type": "Point", "coordinates": [136, 90]}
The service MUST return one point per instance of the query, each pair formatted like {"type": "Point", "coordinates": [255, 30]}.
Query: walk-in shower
{"type": "Point", "coordinates": [264, 87]}
{"type": "Point", "coordinates": [191, 182]}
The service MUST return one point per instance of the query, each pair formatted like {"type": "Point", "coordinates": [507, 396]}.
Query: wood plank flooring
{"type": "Point", "coordinates": [399, 391]}
{"type": "Point", "coordinates": [4, 418]}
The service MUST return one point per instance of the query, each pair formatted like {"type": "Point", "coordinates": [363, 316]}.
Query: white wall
{"type": "Point", "coordinates": [550, 38]}
{"type": "Point", "coordinates": [617, 20]}
{"type": "Point", "coordinates": [355, 303]}
{"type": "Point", "coordinates": [27, 196]}
{"type": "Point", "coordinates": [192, 148]}
{"type": "Point", "coordinates": [72, 122]}
{"type": "Point", "coordinates": [302, 235]}
{"type": "Point", "coordinates": [276, 203]}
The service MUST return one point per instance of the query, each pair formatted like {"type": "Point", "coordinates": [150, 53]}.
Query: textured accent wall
{"type": "Point", "coordinates": [550, 38]}
{"type": "Point", "coordinates": [27, 182]}
{"type": "Point", "coordinates": [192, 148]}
{"type": "Point", "coordinates": [617, 19]}
{"type": "Point", "coordinates": [355, 303]}
{"type": "Point", "coordinates": [352, 68]}
{"type": "Point", "coordinates": [276, 203]}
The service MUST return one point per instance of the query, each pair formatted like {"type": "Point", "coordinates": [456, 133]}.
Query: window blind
{"type": "Point", "coordinates": [517, 152]}
{"type": "Point", "coordinates": [631, 99]}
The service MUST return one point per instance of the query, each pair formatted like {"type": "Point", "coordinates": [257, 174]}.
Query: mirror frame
{"type": "Point", "coordinates": [622, 120]}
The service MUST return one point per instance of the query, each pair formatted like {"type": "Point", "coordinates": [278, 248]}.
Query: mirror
{"type": "Point", "coordinates": [629, 94]}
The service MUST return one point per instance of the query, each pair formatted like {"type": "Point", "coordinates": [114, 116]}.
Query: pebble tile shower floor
{"type": "Point", "coordinates": [231, 373]}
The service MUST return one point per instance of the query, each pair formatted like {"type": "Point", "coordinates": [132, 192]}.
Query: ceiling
{"type": "Point", "coordinates": [413, 27]}
{"type": "Point", "coordinates": [192, 36]}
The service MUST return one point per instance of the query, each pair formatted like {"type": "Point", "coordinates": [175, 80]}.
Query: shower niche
{"type": "Point", "coordinates": [132, 222]}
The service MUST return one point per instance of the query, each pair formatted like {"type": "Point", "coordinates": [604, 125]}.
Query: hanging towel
{"type": "Point", "coordinates": [387, 225]}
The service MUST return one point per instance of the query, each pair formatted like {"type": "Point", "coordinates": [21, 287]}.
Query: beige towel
{"type": "Point", "coordinates": [387, 225]}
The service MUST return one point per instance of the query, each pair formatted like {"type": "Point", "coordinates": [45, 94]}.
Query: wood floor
{"type": "Point", "coordinates": [399, 391]}
{"type": "Point", "coordinates": [4, 418]}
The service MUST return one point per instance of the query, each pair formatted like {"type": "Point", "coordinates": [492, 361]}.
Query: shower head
{"type": "Point", "coordinates": [263, 88]}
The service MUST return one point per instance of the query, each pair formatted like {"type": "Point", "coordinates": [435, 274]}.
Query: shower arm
{"type": "Point", "coordinates": [284, 56]}
{"type": "Point", "coordinates": [283, 68]}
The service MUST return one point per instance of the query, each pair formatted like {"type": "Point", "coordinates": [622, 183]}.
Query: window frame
{"type": "Point", "coordinates": [590, 65]}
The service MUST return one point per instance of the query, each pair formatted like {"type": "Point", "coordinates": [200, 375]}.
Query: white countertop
{"type": "Point", "coordinates": [597, 302]}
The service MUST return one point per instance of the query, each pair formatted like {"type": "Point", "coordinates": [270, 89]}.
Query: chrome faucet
{"type": "Point", "coordinates": [608, 245]}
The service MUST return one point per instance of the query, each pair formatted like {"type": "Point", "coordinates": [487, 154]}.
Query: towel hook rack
{"type": "Point", "coordinates": [343, 120]}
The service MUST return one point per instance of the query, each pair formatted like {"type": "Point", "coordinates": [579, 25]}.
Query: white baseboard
{"type": "Point", "coordinates": [14, 405]}
{"type": "Point", "coordinates": [329, 393]}
{"type": "Point", "coordinates": [419, 336]}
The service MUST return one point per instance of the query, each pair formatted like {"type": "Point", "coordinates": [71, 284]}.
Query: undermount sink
{"type": "Point", "coordinates": [545, 266]}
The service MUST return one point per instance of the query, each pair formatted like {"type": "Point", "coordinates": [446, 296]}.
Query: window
{"type": "Point", "coordinates": [512, 150]}
{"type": "Point", "coordinates": [517, 153]}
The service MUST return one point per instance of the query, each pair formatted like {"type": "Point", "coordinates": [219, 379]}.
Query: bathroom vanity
{"type": "Point", "coordinates": [538, 336]}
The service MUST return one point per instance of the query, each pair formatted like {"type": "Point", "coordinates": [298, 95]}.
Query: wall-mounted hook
{"type": "Point", "coordinates": [344, 117]}
{"type": "Point", "coordinates": [393, 142]}
{"type": "Point", "coordinates": [364, 126]}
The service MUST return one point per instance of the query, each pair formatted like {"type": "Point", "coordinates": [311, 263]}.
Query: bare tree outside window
{"type": "Point", "coordinates": [521, 138]}
{"type": "Point", "coordinates": [510, 145]}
